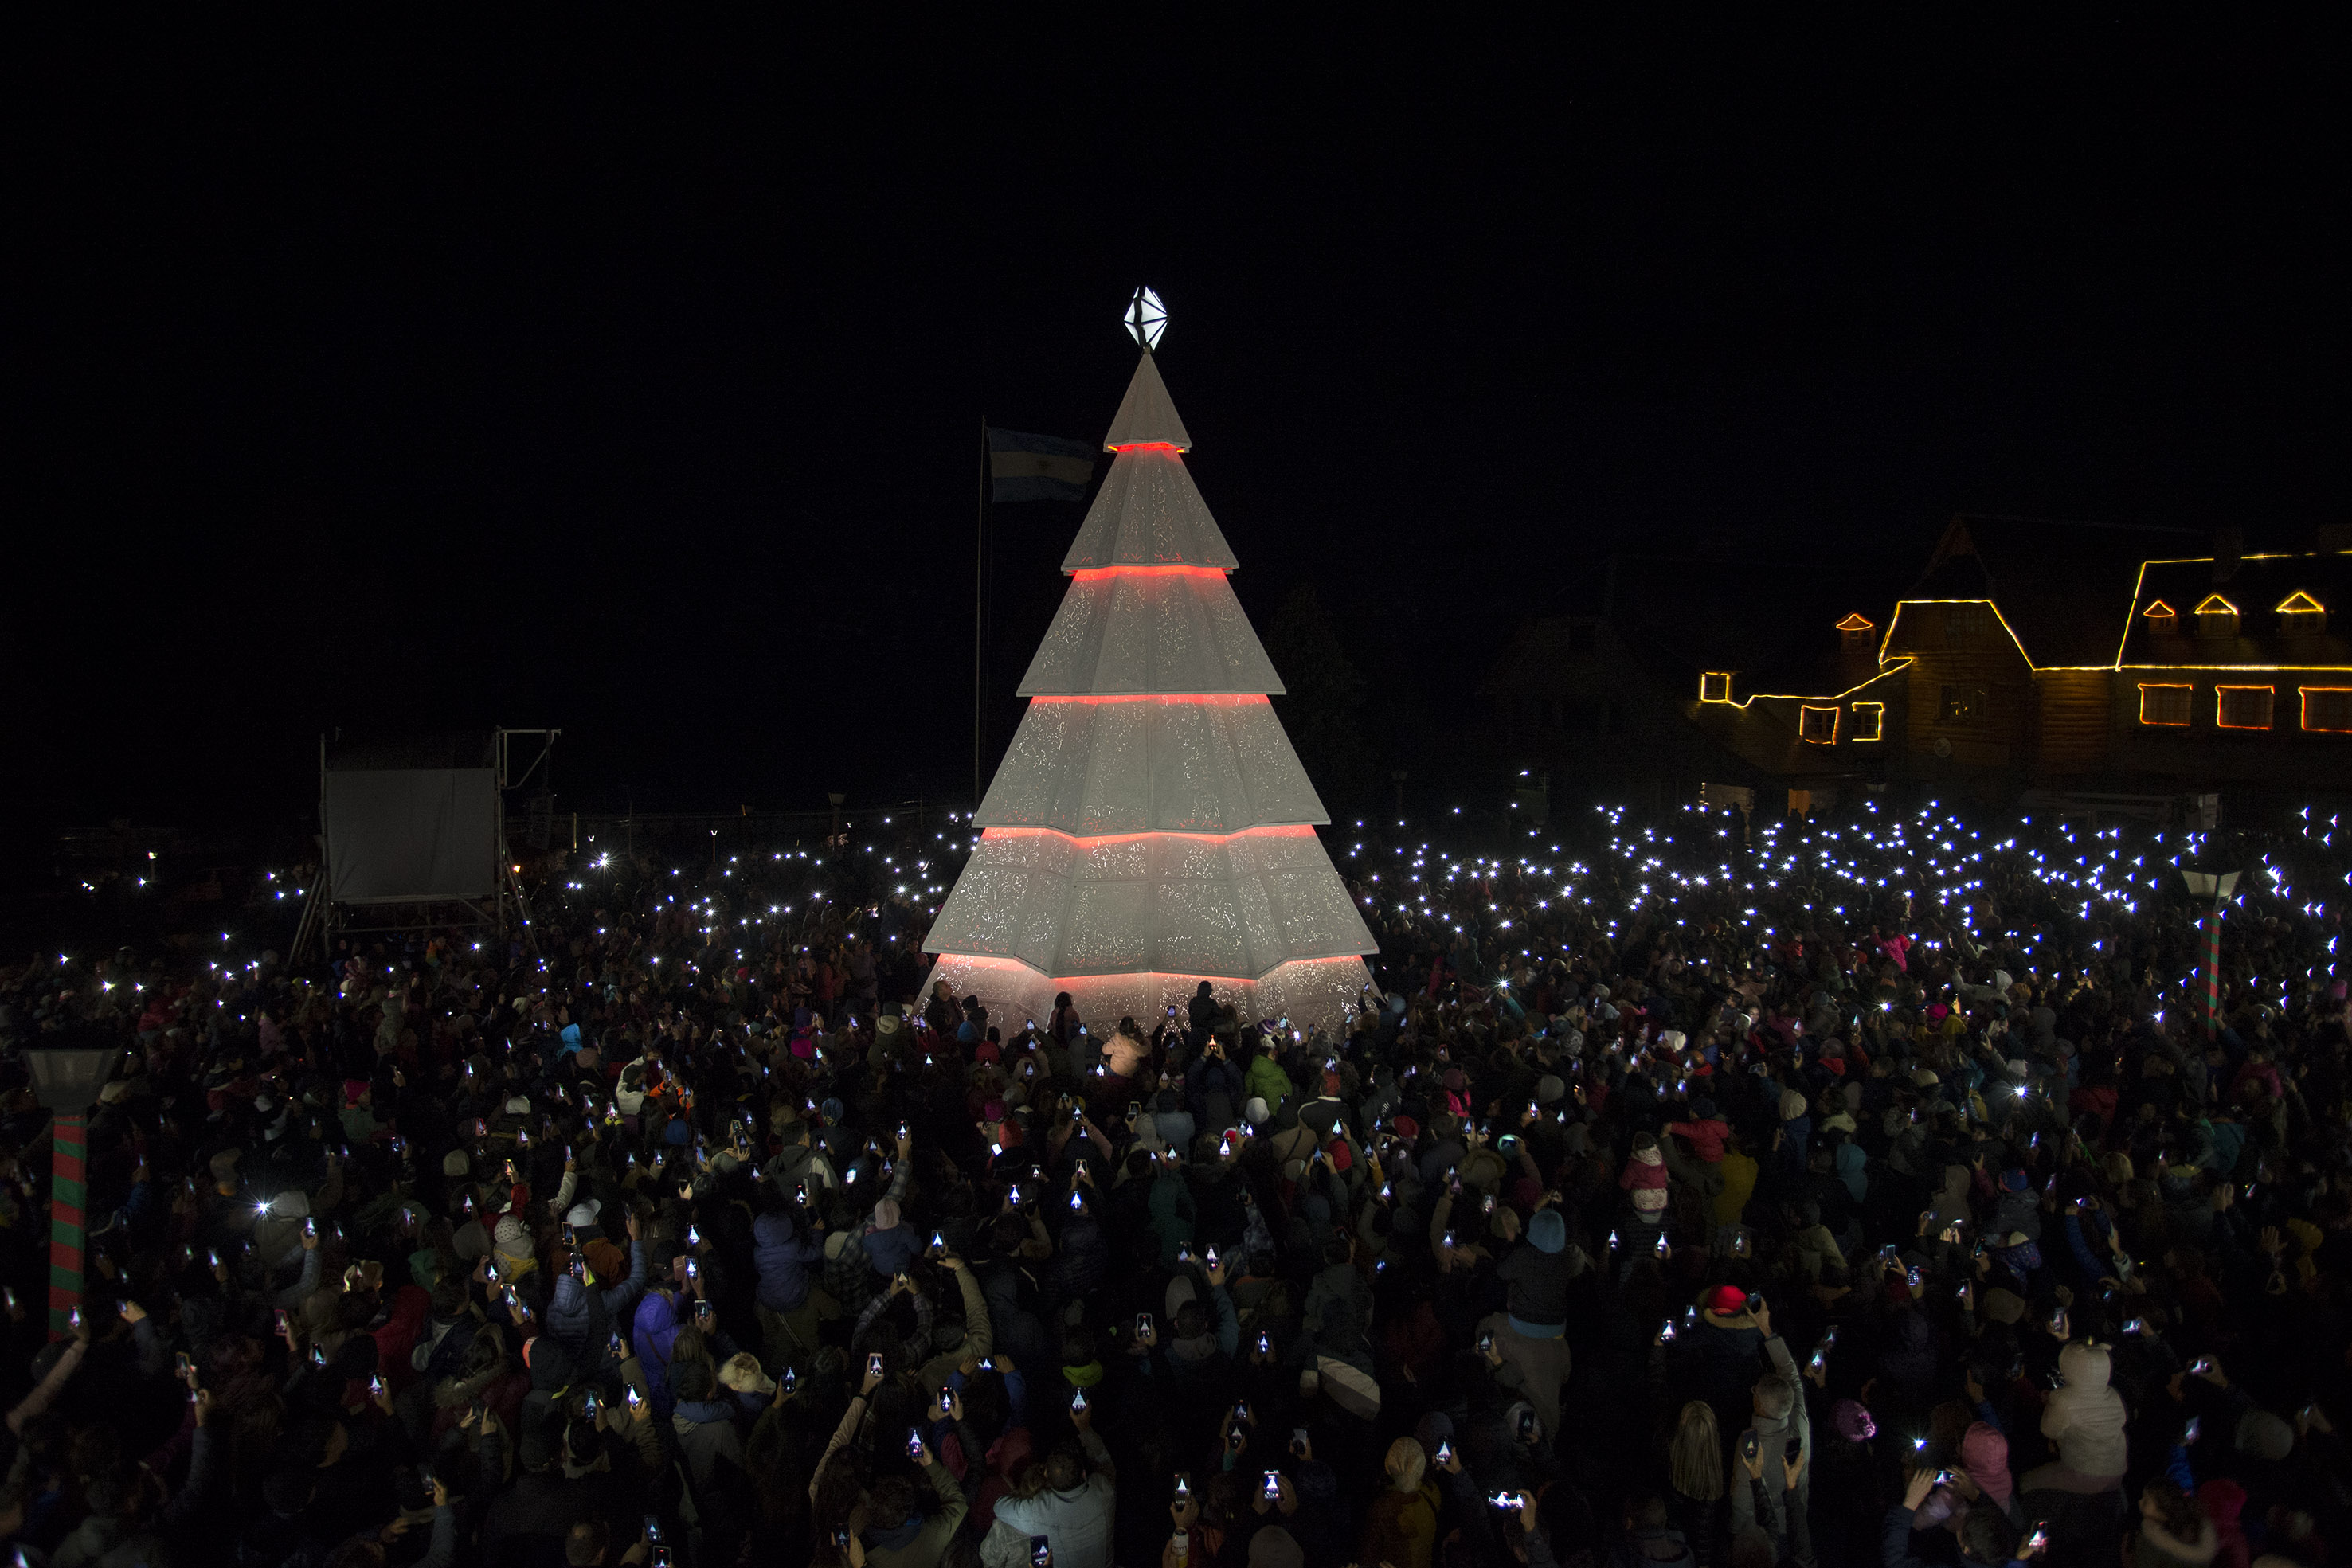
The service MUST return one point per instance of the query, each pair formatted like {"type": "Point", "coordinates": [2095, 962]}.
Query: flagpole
{"type": "Point", "coordinates": [979, 612]}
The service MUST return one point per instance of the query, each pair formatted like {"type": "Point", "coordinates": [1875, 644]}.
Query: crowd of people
{"type": "Point", "coordinates": [1861, 1190]}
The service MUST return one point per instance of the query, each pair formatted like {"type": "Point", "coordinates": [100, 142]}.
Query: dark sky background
{"type": "Point", "coordinates": [631, 384]}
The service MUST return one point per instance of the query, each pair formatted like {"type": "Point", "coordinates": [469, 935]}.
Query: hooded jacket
{"type": "Point", "coordinates": [784, 1260]}
{"type": "Point", "coordinates": [1172, 1209]}
{"type": "Point", "coordinates": [655, 1332]}
{"type": "Point", "coordinates": [1266, 1081]}
{"type": "Point", "coordinates": [1076, 1523]}
{"type": "Point", "coordinates": [801, 1163]}
{"type": "Point", "coordinates": [892, 1251]}
{"type": "Point", "coordinates": [1082, 1261]}
{"type": "Point", "coordinates": [2085, 1417]}
{"type": "Point", "coordinates": [582, 1317]}
{"type": "Point", "coordinates": [1645, 1180]}
{"type": "Point", "coordinates": [1538, 1271]}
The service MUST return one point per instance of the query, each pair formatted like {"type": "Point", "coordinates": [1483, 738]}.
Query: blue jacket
{"type": "Point", "coordinates": [1895, 1545]}
{"type": "Point", "coordinates": [656, 1331]}
{"type": "Point", "coordinates": [892, 1251]}
{"type": "Point", "coordinates": [784, 1260]}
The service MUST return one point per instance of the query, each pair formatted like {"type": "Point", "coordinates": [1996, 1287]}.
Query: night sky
{"type": "Point", "coordinates": [634, 387]}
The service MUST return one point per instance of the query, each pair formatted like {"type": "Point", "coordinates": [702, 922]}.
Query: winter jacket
{"type": "Point", "coordinates": [1081, 1261]}
{"type": "Point", "coordinates": [706, 1435]}
{"type": "Point", "coordinates": [801, 1164]}
{"type": "Point", "coordinates": [1706, 1136]}
{"type": "Point", "coordinates": [894, 1250]}
{"type": "Point", "coordinates": [930, 1543]}
{"type": "Point", "coordinates": [1171, 1215]}
{"type": "Point", "coordinates": [2085, 1417]}
{"type": "Point", "coordinates": [1644, 1181]}
{"type": "Point", "coordinates": [655, 1330]}
{"type": "Point", "coordinates": [1400, 1527]}
{"type": "Point", "coordinates": [784, 1260]}
{"type": "Point", "coordinates": [1213, 1089]}
{"type": "Point", "coordinates": [1076, 1523]}
{"type": "Point", "coordinates": [1538, 1283]}
{"type": "Point", "coordinates": [1266, 1081]}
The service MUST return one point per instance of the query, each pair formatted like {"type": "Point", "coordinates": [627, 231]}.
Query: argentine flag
{"type": "Point", "coordinates": [1025, 467]}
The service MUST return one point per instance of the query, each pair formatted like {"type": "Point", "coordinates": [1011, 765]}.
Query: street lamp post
{"type": "Point", "coordinates": [65, 1082]}
{"type": "Point", "coordinates": [2215, 888]}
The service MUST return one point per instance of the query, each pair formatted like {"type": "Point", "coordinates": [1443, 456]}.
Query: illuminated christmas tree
{"type": "Point", "coordinates": [1150, 826]}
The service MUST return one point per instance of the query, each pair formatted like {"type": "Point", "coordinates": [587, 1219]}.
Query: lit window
{"type": "Point", "coordinates": [1869, 721]}
{"type": "Point", "coordinates": [2161, 620]}
{"type": "Point", "coordinates": [1818, 724]}
{"type": "Point", "coordinates": [2301, 615]}
{"type": "Point", "coordinates": [2328, 708]}
{"type": "Point", "coordinates": [1715, 687]}
{"type": "Point", "coordinates": [2164, 705]}
{"type": "Point", "coordinates": [2217, 617]}
{"type": "Point", "coordinates": [2242, 707]}
{"type": "Point", "coordinates": [1964, 705]}
{"type": "Point", "coordinates": [1966, 623]}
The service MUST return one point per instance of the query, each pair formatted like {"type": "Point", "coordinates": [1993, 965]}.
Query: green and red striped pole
{"type": "Point", "coordinates": [68, 1197]}
{"type": "Point", "coordinates": [2212, 991]}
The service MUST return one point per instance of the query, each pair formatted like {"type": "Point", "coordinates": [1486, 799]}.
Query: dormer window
{"type": "Point", "coordinates": [2160, 619]}
{"type": "Point", "coordinates": [1853, 633]}
{"type": "Point", "coordinates": [2216, 617]}
{"type": "Point", "coordinates": [2301, 615]}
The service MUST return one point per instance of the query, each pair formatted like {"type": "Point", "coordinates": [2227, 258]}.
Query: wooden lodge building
{"type": "Point", "coordinates": [2073, 659]}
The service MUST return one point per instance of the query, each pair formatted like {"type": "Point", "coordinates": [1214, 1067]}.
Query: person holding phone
{"type": "Point", "coordinates": [2086, 1418]}
{"type": "Point", "coordinates": [1401, 1525]}
{"type": "Point", "coordinates": [1074, 1511]}
{"type": "Point", "coordinates": [1987, 1538]}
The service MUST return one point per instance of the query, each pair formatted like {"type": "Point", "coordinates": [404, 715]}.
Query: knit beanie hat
{"type": "Point", "coordinates": [1407, 1463]}
{"type": "Point", "coordinates": [1275, 1547]}
{"type": "Point", "coordinates": [1547, 1231]}
{"type": "Point", "coordinates": [2263, 1436]}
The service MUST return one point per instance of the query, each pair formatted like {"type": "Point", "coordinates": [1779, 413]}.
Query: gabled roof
{"type": "Point", "coordinates": [2261, 638]}
{"type": "Point", "coordinates": [2059, 584]}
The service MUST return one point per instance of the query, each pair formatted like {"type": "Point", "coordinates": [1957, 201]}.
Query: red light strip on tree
{"type": "Point", "coordinates": [1095, 573]}
{"type": "Point", "coordinates": [1230, 698]}
{"type": "Point", "coordinates": [1273, 831]}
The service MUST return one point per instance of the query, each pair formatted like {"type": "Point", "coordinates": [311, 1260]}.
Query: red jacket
{"type": "Point", "coordinates": [1706, 1136]}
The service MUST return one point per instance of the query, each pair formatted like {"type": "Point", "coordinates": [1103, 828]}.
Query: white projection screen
{"type": "Point", "coordinates": [412, 835]}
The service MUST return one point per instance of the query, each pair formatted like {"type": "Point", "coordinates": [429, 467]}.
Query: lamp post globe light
{"type": "Point", "coordinates": [2215, 888]}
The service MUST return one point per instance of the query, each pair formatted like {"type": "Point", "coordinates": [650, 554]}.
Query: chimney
{"type": "Point", "coordinates": [2228, 545]}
